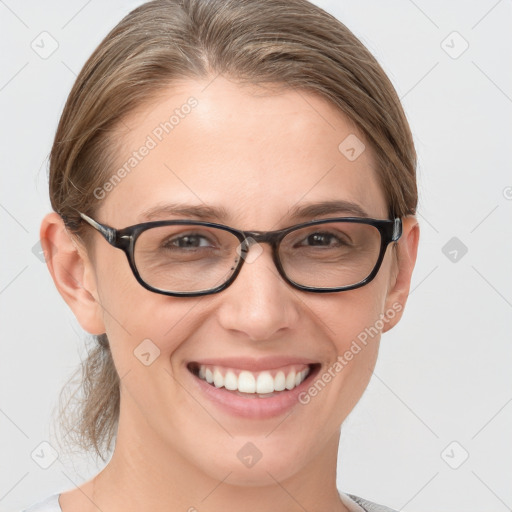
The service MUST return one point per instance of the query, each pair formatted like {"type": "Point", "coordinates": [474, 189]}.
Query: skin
{"type": "Point", "coordinates": [174, 447]}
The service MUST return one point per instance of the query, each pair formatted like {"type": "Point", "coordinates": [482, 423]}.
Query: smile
{"type": "Point", "coordinates": [263, 383]}
{"type": "Point", "coordinates": [252, 388]}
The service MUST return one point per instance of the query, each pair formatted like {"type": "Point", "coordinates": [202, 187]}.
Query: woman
{"type": "Point", "coordinates": [254, 165]}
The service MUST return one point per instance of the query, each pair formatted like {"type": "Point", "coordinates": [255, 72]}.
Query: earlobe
{"type": "Point", "coordinates": [406, 259]}
{"type": "Point", "coordinates": [72, 273]}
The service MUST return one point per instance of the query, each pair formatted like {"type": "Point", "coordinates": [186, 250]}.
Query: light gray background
{"type": "Point", "coordinates": [444, 373]}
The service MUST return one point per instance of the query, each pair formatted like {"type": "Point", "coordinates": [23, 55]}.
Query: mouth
{"type": "Point", "coordinates": [263, 384]}
{"type": "Point", "coordinates": [253, 393]}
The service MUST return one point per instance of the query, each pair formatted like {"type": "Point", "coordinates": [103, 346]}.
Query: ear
{"type": "Point", "coordinates": [72, 272]}
{"type": "Point", "coordinates": [400, 282]}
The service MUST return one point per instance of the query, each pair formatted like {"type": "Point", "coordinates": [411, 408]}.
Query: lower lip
{"type": "Point", "coordinates": [253, 407]}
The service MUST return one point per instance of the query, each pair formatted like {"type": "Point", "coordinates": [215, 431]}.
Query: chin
{"type": "Point", "coordinates": [258, 462]}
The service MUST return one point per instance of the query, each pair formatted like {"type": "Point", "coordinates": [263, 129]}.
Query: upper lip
{"type": "Point", "coordinates": [254, 363]}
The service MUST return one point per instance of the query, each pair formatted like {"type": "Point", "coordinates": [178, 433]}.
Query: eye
{"type": "Point", "coordinates": [188, 241]}
{"type": "Point", "coordinates": [322, 239]}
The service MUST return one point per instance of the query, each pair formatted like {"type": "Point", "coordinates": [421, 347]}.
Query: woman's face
{"type": "Point", "coordinates": [255, 158]}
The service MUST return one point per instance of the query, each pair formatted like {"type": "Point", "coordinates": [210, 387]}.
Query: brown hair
{"type": "Point", "coordinates": [285, 42]}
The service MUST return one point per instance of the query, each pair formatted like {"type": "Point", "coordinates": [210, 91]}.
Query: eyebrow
{"type": "Point", "coordinates": [298, 212]}
{"type": "Point", "coordinates": [326, 208]}
{"type": "Point", "coordinates": [200, 211]}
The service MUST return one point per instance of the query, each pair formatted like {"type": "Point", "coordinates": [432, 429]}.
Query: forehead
{"type": "Point", "coordinates": [253, 153]}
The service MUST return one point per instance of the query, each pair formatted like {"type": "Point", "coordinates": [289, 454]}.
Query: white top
{"type": "Point", "coordinates": [353, 503]}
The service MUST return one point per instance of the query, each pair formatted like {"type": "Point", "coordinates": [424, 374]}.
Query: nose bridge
{"type": "Point", "coordinates": [257, 303]}
{"type": "Point", "coordinates": [268, 237]}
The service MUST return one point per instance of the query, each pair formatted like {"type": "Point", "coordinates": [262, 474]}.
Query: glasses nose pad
{"type": "Point", "coordinates": [249, 249]}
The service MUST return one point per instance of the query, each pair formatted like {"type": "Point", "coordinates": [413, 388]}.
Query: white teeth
{"type": "Point", "coordinates": [246, 382]}
{"type": "Point", "coordinates": [279, 382]}
{"type": "Point", "coordinates": [290, 380]}
{"type": "Point", "coordinates": [261, 383]}
{"type": "Point", "coordinates": [230, 381]}
{"type": "Point", "coordinates": [218, 379]}
{"type": "Point", "coordinates": [265, 383]}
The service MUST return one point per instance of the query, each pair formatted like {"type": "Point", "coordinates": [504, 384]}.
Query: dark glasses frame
{"type": "Point", "coordinates": [124, 239]}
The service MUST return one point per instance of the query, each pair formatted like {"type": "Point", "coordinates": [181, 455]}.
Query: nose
{"type": "Point", "coordinates": [259, 304]}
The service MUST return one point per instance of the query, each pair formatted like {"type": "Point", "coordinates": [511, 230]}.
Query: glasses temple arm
{"type": "Point", "coordinates": [108, 232]}
{"type": "Point", "coordinates": [397, 229]}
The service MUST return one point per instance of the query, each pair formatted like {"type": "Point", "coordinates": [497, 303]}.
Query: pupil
{"type": "Point", "coordinates": [188, 241]}
{"type": "Point", "coordinates": [318, 239]}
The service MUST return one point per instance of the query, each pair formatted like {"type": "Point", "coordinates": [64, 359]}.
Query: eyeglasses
{"type": "Point", "coordinates": [192, 258]}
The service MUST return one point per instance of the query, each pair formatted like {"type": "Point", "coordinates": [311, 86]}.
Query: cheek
{"type": "Point", "coordinates": [137, 320]}
{"type": "Point", "coordinates": [347, 316]}
{"type": "Point", "coordinates": [353, 322]}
